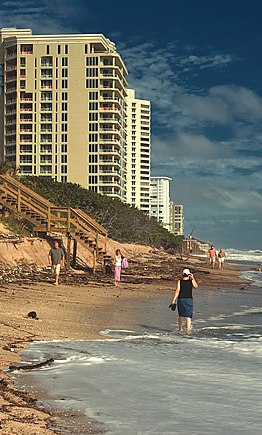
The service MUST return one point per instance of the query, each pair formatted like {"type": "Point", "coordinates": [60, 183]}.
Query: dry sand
{"type": "Point", "coordinates": [77, 309]}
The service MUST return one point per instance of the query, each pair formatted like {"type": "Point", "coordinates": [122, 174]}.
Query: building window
{"type": "Point", "coordinates": [64, 72]}
{"type": "Point", "coordinates": [93, 137]}
{"type": "Point", "coordinates": [93, 158]}
{"type": "Point", "coordinates": [93, 116]}
{"type": "Point", "coordinates": [64, 61]}
{"type": "Point", "coordinates": [92, 83]}
{"type": "Point", "coordinates": [93, 169]}
{"type": "Point", "coordinates": [59, 49]}
{"type": "Point", "coordinates": [26, 49]}
{"type": "Point", "coordinates": [64, 118]}
{"type": "Point", "coordinates": [93, 148]}
{"type": "Point", "coordinates": [66, 49]}
{"type": "Point", "coordinates": [93, 95]}
{"type": "Point", "coordinates": [92, 72]}
{"type": "Point", "coordinates": [64, 137]}
{"type": "Point", "coordinates": [64, 96]}
{"type": "Point", "coordinates": [64, 84]}
{"type": "Point", "coordinates": [22, 61]}
{"type": "Point", "coordinates": [64, 179]}
{"type": "Point", "coordinates": [93, 127]}
{"type": "Point", "coordinates": [64, 148]}
{"type": "Point", "coordinates": [93, 106]}
{"type": "Point", "coordinates": [63, 159]}
{"type": "Point", "coordinates": [92, 179]}
{"type": "Point", "coordinates": [47, 49]}
{"type": "Point", "coordinates": [64, 127]}
{"type": "Point", "coordinates": [92, 61]}
{"type": "Point", "coordinates": [64, 107]}
{"type": "Point", "coordinates": [63, 169]}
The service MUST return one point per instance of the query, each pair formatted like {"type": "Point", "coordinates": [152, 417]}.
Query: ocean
{"type": "Point", "coordinates": [153, 380]}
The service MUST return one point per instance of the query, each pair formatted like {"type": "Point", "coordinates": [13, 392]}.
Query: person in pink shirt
{"type": "Point", "coordinates": [212, 255]}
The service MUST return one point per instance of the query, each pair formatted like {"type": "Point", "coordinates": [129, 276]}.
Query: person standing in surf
{"type": "Point", "coordinates": [184, 297]}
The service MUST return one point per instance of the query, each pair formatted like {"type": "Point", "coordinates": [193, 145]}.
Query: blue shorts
{"type": "Point", "coordinates": [185, 307]}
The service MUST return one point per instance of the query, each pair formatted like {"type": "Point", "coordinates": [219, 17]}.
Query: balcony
{"type": "Point", "coordinates": [11, 101]}
{"type": "Point", "coordinates": [25, 149]}
{"type": "Point", "coordinates": [109, 109]}
{"type": "Point", "coordinates": [11, 79]}
{"type": "Point", "coordinates": [22, 141]}
{"type": "Point", "coordinates": [26, 160]}
{"type": "Point", "coordinates": [10, 90]}
{"type": "Point", "coordinates": [26, 170]}
{"type": "Point", "coordinates": [46, 149]}
{"type": "Point", "coordinates": [25, 130]}
{"type": "Point", "coordinates": [26, 120]}
{"type": "Point", "coordinates": [46, 160]}
{"type": "Point", "coordinates": [11, 112]}
{"type": "Point", "coordinates": [11, 122]}
{"type": "Point", "coordinates": [46, 170]}
{"type": "Point", "coordinates": [109, 74]}
{"type": "Point", "coordinates": [11, 55]}
{"type": "Point", "coordinates": [46, 119]}
{"type": "Point", "coordinates": [10, 133]}
{"type": "Point", "coordinates": [25, 99]}
{"type": "Point", "coordinates": [46, 84]}
{"type": "Point", "coordinates": [109, 98]}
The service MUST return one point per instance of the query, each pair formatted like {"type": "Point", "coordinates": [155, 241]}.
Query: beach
{"type": "Point", "coordinates": [80, 311]}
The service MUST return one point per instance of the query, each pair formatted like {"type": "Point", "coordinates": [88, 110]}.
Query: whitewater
{"type": "Point", "coordinates": [153, 380]}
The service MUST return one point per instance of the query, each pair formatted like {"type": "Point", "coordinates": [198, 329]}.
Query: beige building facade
{"type": "Point", "coordinates": [138, 152]}
{"type": "Point", "coordinates": [63, 108]}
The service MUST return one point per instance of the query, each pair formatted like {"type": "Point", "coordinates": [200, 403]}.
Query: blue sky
{"type": "Point", "coordinates": [200, 64]}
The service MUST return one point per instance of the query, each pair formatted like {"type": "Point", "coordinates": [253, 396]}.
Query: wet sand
{"type": "Point", "coordinates": [80, 310]}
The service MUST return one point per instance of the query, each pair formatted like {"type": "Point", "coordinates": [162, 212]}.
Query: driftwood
{"type": "Point", "coordinates": [23, 366]}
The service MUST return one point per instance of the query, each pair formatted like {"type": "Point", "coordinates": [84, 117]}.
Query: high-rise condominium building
{"type": "Point", "coordinates": [159, 200]}
{"type": "Point", "coordinates": [138, 152]}
{"type": "Point", "coordinates": [176, 219]}
{"type": "Point", "coordinates": [63, 108]}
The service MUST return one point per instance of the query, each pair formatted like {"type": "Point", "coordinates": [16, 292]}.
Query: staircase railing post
{"type": "Point", "coordinates": [68, 249]}
{"type": "Point", "coordinates": [105, 245]}
{"type": "Point", "coordinates": [48, 219]}
{"type": "Point", "coordinates": [19, 200]}
{"type": "Point", "coordinates": [94, 261]}
{"type": "Point", "coordinates": [68, 219]}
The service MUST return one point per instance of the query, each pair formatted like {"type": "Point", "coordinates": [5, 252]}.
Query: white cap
{"type": "Point", "coordinates": [186, 272]}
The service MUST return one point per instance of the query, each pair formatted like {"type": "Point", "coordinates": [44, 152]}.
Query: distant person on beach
{"type": "Point", "coordinates": [212, 254]}
{"type": "Point", "coordinates": [56, 260]}
{"type": "Point", "coordinates": [118, 265]}
{"type": "Point", "coordinates": [184, 297]}
{"type": "Point", "coordinates": [221, 258]}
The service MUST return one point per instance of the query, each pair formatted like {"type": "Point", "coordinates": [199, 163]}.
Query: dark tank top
{"type": "Point", "coordinates": [185, 289]}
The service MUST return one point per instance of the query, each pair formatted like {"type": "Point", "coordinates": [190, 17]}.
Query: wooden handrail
{"type": "Point", "coordinates": [32, 193]}
{"type": "Point", "coordinates": [62, 219]}
{"type": "Point", "coordinates": [97, 227]}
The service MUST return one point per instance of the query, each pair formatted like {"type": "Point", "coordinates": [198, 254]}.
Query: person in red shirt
{"type": "Point", "coordinates": [212, 255]}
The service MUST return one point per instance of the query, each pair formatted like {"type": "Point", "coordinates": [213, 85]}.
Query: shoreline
{"type": "Point", "coordinates": [77, 312]}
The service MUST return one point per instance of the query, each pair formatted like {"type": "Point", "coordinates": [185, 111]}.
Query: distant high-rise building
{"type": "Point", "coordinates": [63, 108]}
{"type": "Point", "coordinates": [138, 152]}
{"type": "Point", "coordinates": [159, 200]}
{"type": "Point", "coordinates": [176, 219]}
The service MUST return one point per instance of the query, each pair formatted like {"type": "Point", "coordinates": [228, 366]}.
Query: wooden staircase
{"type": "Point", "coordinates": [45, 218]}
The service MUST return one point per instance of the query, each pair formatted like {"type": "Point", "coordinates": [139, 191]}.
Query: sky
{"type": "Point", "coordinates": [200, 65]}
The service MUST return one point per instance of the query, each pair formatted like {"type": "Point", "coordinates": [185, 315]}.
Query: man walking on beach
{"type": "Point", "coordinates": [56, 260]}
{"type": "Point", "coordinates": [221, 258]}
{"type": "Point", "coordinates": [212, 253]}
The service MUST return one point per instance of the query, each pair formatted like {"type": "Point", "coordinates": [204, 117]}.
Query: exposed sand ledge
{"type": "Point", "coordinates": [77, 310]}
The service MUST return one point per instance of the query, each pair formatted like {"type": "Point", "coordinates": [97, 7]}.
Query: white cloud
{"type": "Point", "coordinates": [41, 16]}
